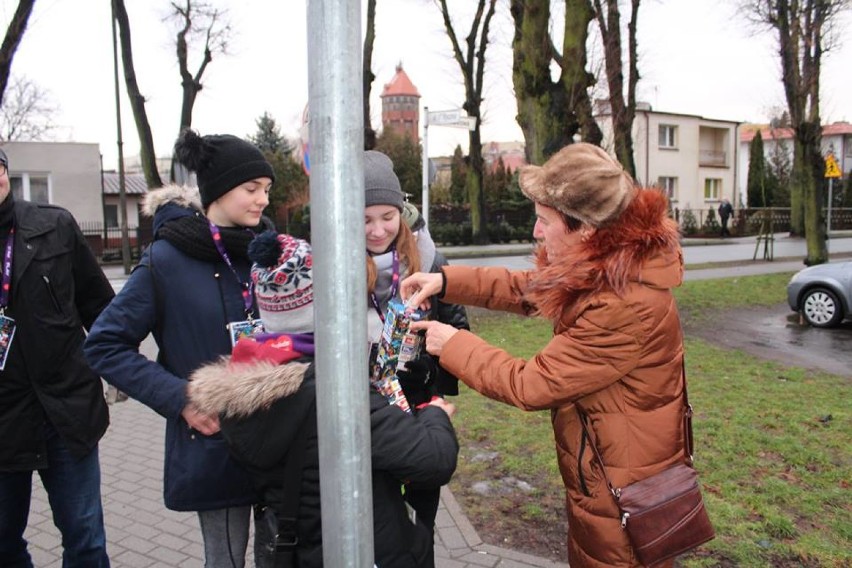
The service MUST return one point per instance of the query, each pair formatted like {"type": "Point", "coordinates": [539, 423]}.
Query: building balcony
{"type": "Point", "coordinates": [713, 158]}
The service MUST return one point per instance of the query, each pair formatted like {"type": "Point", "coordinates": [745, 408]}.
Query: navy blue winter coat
{"type": "Point", "coordinates": [186, 303]}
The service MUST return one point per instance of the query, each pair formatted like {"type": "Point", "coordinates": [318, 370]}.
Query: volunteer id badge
{"type": "Point", "coordinates": [7, 333]}
{"type": "Point", "coordinates": [241, 329]}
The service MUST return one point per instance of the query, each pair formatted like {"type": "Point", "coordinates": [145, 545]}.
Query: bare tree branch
{"type": "Point", "coordinates": [14, 34]}
{"type": "Point", "coordinates": [28, 112]}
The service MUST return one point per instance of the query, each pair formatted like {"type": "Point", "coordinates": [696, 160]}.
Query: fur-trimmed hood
{"type": "Point", "coordinates": [182, 195]}
{"type": "Point", "coordinates": [171, 202]}
{"type": "Point", "coordinates": [642, 246]}
{"type": "Point", "coordinates": [241, 389]}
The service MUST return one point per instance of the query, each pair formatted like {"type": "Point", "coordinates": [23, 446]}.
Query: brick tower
{"type": "Point", "coordinates": [401, 106]}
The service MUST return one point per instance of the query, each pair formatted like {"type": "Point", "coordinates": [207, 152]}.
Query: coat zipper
{"type": "Point", "coordinates": [52, 294]}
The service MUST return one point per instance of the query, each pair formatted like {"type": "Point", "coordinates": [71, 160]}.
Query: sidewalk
{"type": "Point", "coordinates": [142, 533]}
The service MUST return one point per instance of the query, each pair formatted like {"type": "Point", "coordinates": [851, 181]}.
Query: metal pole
{"type": "Point", "coordinates": [340, 281]}
{"type": "Point", "coordinates": [122, 189]}
{"type": "Point", "coordinates": [426, 166]}
{"type": "Point", "coordinates": [830, 199]}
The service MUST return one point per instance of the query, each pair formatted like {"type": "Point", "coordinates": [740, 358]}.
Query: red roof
{"type": "Point", "coordinates": [769, 133]}
{"type": "Point", "coordinates": [400, 85]}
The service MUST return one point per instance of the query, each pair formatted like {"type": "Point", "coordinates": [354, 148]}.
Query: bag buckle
{"type": "Point", "coordinates": [624, 516]}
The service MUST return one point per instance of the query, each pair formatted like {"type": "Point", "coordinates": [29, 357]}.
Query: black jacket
{"type": "Point", "coordinates": [451, 314]}
{"type": "Point", "coordinates": [58, 289]}
{"type": "Point", "coordinates": [262, 408]}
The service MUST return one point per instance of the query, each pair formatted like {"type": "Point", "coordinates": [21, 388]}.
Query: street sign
{"type": "Point", "coordinates": [832, 170]}
{"type": "Point", "coordinates": [446, 117]}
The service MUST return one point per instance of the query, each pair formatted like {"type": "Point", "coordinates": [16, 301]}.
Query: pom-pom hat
{"type": "Point", "coordinates": [583, 182]}
{"type": "Point", "coordinates": [221, 162]}
{"type": "Point", "coordinates": [283, 282]}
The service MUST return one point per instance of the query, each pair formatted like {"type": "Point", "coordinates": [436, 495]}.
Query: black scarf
{"type": "Point", "coordinates": [191, 235]}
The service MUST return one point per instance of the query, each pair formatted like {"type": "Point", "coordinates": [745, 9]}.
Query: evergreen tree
{"type": "Point", "coordinates": [268, 137]}
{"type": "Point", "coordinates": [407, 161]}
{"type": "Point", "coordinates": [779, 170]}
{"type": "Point", "coordinates": [756, 184]}
{"type": "Point", "coordinates": [496, 183]}
{"type": "Point", "coordinates": [458, 176]}
{"type": "Point", "coordinates": [290, 190]}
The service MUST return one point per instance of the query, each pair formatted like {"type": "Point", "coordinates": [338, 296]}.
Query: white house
{"type": "Point", "coordinates": [67, 174]}
{"type": "Point", "coordinates": [694, 159]}
{"type": "Point", "coordinates": [836, 140]}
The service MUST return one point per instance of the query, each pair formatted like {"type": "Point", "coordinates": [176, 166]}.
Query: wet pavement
{"type": "Point", "coordinates": [776, 333]}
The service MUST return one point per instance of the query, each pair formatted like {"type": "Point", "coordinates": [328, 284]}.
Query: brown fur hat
{"type": "Point", "coordinates": [581, 181]}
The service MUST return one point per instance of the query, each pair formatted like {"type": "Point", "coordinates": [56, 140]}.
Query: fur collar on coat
{"type": "Point", "coordinates": [241, 389]}
{"type": "Point", "coordinates": [184, 196]}
{"type": "Point", "coordinates": [642, 246]}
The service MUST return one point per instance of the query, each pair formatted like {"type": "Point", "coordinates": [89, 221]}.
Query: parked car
{"type": "Point", "coordinates": [822, 293]}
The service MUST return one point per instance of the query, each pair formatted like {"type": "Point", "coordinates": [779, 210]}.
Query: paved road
{"type": "Point", "coordinates": [788, 255]}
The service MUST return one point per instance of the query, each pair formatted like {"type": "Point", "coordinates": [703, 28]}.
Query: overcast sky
{"type": "Point", "coordinates": [696, 57]}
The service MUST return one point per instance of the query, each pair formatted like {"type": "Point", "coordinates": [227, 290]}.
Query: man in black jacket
{"type": "Point", "coordinates": [52, 407]}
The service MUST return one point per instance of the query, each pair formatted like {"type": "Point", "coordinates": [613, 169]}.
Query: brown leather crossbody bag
{"type": "Point", "coordinates": [663, 514]}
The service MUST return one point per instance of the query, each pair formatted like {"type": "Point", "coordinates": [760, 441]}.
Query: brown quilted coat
{"type": "Point", "coordinates": [616, 350]}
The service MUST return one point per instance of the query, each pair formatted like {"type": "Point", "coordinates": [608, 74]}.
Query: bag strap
{"type": "Point", "coordinates": [287, 536]}
{"type": "Point", "coordinates": [687, 434]}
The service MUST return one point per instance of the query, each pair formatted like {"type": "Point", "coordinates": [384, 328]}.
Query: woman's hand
{"type": "Point", "coordinates": [207, 425]}
{"type": "Point", "coordinates": [447, 407]}
{"type": "Point", "coordinates": [419, 287]}
{"type": "Point", "coordinates": [437, 334]}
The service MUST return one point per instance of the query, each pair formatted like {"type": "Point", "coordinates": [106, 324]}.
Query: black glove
{"type": "Point", "coordinates": [418, 379]}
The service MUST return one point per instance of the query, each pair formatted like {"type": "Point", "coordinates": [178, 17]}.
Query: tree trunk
{"type": "Point", "coordinates": [622, 111]}
{"type": "Point", "coordinates": [14, 34]}
{"type": "Point", "coordinates": [813, 193]}
{"type": "Point", "coordinates": [551, 113]}
{"type": "Point", "coordinates": [137, 101]}
{"type": "Point", "coordinates": [472, 65]}
{"type": "Point", "coordinates": [367, 74]}
{"type": "Point", "coordinates": [575, 79]}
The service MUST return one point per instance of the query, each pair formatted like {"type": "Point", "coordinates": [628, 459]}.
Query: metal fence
{"type": "Point", "coordinates": [105, 241]}
{"type": "Point", "coordinates": [747, 221]}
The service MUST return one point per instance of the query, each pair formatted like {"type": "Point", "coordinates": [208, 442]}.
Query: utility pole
{"type": "Point", "coordinates": [122, 190]}
{"type": "Point", "coordinates": [340, 281]}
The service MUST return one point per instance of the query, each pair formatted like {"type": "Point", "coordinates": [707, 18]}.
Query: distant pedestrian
{"type": "Point", "coordinates": [192, 290]}
{"type": "Point", "coordinates": [607, 260]}
{"type": "Point", "coordinates": [52, 407]}
{"type": "Point", "coordinates": [725, 212]}
{"type": "Point", "coordinates": [265, 395]}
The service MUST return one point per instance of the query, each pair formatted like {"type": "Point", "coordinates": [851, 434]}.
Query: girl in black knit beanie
{"type": "Point", "coordinates": [192, 290]}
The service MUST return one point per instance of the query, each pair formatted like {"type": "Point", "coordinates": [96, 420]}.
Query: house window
{"type": "Point", "coordinates": [712, 189]}
{"type": "Point", "coordinates": [668, 136]}
{"type": "Point", "coordinates": [39, 192]}
{"type": "Point", "coordinates": [111, 215]}
{"type": "Point", "coordinates": [17, 185]}
{"type": "Point", "coordinates": [35, 188]}
{"type": "Point", "coordinates": [668, 185]}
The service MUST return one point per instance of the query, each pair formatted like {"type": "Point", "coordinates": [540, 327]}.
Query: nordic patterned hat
{"type": "Point", "coordinates": [283, 283]}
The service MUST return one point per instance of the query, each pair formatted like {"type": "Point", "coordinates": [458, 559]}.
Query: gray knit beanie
{"type": "Point", "coordinates": [381, 186]}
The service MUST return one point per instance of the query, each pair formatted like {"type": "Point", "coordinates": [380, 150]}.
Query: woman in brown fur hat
{"type": "Point", "coordinates": [607, 260]}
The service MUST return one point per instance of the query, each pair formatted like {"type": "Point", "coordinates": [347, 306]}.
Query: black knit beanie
{"type": "Point", "coordinates": [381, 185]}
{"type": "Point", "coordinates": [221, 162]}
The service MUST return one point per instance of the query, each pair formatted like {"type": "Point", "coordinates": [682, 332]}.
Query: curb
{"type": "Point", "coordinates": [474, 542]}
